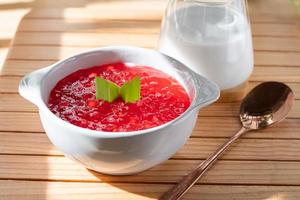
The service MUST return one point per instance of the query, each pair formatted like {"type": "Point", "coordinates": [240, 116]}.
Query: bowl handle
{"type": "Point", "coordinates": [207, 91]}
{"type": "Point", "coordinates": [29, 86]}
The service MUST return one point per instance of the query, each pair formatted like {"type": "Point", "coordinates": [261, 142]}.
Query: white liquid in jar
{"type": "Point", "coordinates": [213, 41]}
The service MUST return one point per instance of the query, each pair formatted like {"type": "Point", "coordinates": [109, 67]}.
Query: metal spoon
{"type": "Point", "coordinates": [265, 105]}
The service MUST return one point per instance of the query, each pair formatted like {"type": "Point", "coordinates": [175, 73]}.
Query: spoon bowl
{"type": "Point", "coordinates": [265, 105]}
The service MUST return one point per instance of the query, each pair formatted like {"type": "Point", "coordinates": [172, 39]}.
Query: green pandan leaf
{"type": "Point", "coordinates": [130, 91]}
{"type": "Point", "coordinates": [109, 91]}
{"type": "Point", "coordinates": [106, 90]}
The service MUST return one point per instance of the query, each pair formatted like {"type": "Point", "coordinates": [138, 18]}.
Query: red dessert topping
{"type": "Point", "coordinates": [162, 99]}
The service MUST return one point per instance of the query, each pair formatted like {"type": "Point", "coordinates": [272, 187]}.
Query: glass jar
{"type": "Point", "coordinates": [213, 38]}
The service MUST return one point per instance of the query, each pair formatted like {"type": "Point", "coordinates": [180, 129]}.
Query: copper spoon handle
{"type": "Point", "coordinates": [188, 181]}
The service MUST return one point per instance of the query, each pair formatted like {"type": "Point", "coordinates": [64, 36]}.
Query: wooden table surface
{"type": "Point", "coordinates": [264, 165]}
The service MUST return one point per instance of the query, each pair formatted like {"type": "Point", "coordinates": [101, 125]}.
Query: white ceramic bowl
{"type": "Point", "coordinates": [118, 153]}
